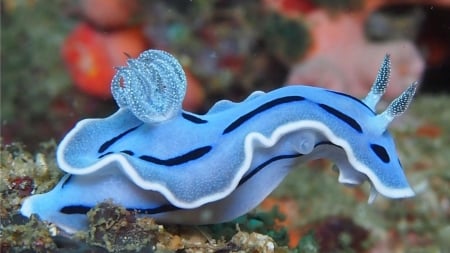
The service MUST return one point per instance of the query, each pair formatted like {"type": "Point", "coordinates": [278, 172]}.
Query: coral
{"type": "Point", "coordinates": [116, 229]}
{"type": "Point", "coordinates": [91, 55]}
{"type": "Point", "coordinates": [22, 174]}
{"type": "Point", "coordinates": [336, 60]}
{"type": "Point", "coordinates": [33, 235]}
{"type": "Point", "coordinates": [341, 234]}
{"type": "Point", "coordinates": [253, 242]}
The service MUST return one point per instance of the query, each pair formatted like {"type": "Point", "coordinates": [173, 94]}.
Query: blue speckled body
{"type": "Point", "coordinates": [198, 169]}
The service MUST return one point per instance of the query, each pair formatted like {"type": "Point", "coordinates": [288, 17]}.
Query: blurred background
{"type": "Point", "coordinates": [58, 57]}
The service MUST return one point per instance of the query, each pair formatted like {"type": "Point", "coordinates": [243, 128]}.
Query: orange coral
{"type": "Point", "coordinates": [91, 56]}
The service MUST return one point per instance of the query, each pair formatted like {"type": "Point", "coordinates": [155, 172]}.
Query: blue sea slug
{"type": "Point", "coordinates": [179, 167]}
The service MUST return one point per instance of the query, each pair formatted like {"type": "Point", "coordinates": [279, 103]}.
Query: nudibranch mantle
{"type": "Point", "coordinates": [180, 167]}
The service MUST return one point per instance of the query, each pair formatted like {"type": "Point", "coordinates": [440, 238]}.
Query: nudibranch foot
{"type": "Point", "coordinates": [181, 167]}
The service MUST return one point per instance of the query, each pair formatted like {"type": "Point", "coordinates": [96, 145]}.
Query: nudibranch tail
{"type": "Point", "coordinates": [152, 86]}
{"type": "Point", "coordinates": [372, 195]}
{"type": "Point", "coordinates": [380, 84]}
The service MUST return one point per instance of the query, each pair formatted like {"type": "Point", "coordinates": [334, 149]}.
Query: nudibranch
{"type": "Point", "coordinates": [179, 167]}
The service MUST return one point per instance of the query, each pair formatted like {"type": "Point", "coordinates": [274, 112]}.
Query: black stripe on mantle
{"type": "Point", "coordinates": [244, 118]}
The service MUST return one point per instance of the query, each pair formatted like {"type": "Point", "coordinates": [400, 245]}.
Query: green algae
{"type": "Point", "coordinates": [308, 244]}
{"type": "Point", "coordinates": [263, 222]}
